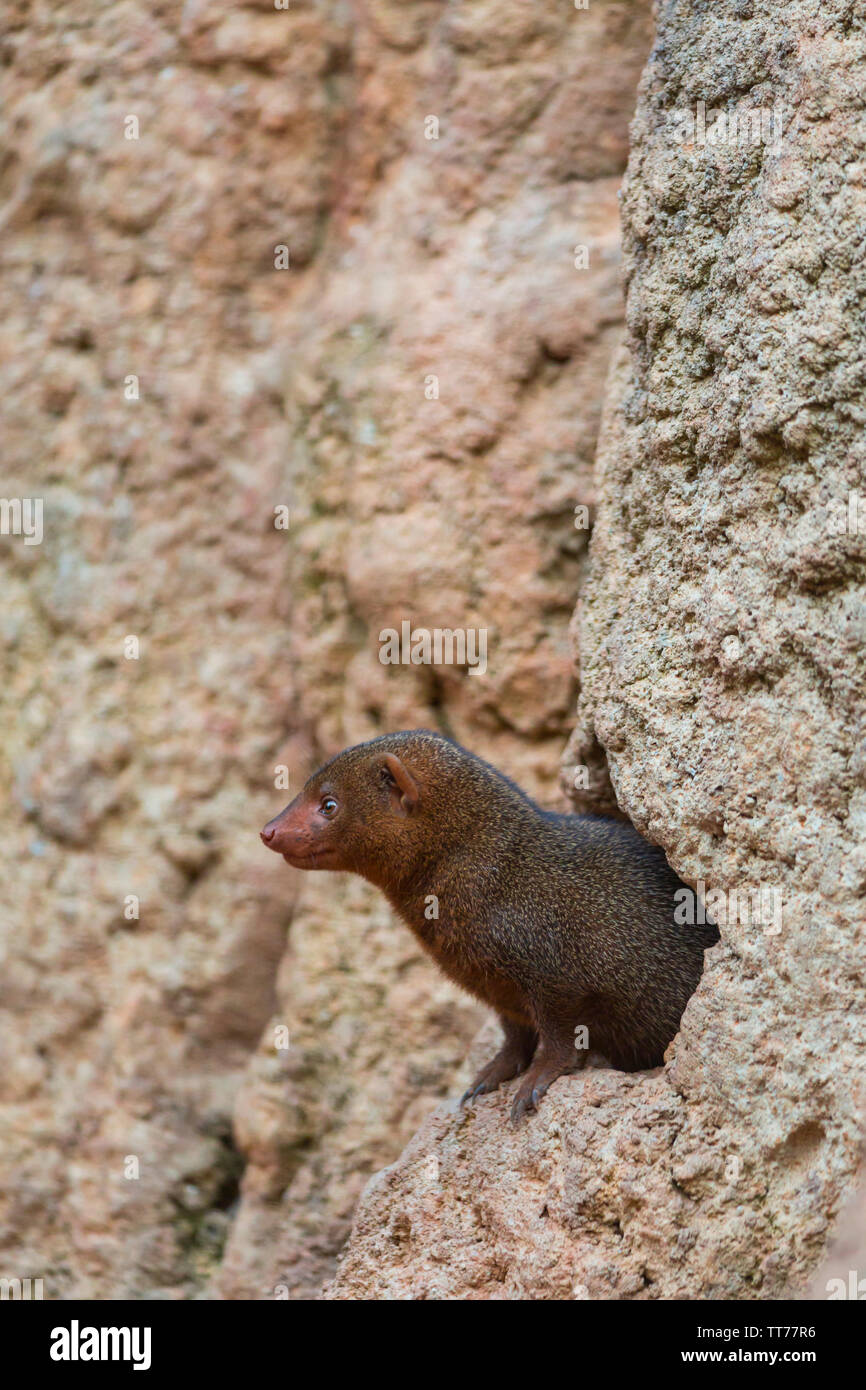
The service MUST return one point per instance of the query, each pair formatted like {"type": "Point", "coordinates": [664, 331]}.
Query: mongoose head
{"type": "Point", "coordinates": [363, 811]}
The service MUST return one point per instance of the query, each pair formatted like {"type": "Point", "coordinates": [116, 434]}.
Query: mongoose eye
{"type": "Point", "coordinates": [328, 807]}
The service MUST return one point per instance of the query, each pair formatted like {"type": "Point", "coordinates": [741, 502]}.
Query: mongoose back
{"type": "Point", "coordinates": [559, 922]}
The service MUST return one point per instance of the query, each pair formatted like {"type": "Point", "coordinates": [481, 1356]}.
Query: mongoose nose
{"type": "Point", "coordinates": [268, 834]}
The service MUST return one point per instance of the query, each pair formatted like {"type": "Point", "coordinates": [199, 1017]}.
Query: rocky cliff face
{"type": "Point", "coordinates": [421, 386]}
{"type": "Point", "coordinates": [145, 181]}
{"type": "Point", "coordinates": [721, 651]}
{"type": "Point", "coordinates": [364, 263]}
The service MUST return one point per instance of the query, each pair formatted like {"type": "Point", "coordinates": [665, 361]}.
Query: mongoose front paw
{"type": "Point", "coordinates": [538, 1079]}
{"type": "Point", "coordinates": [527, 1099]}
{"type": "Point", "coordinates": [507, 1064]}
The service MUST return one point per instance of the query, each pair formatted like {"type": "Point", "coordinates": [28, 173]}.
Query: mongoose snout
{"type": "Point", "coordinates": [298, 836]}
{"type": "Point", "coordinates": [567, 925]}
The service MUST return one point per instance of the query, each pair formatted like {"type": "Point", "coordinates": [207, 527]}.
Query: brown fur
{"type": "Point", "coordinates": [556, 921]}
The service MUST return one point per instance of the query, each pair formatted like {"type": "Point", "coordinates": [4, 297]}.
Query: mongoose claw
{"type": "Point", "coordinates": [527, 1099]}
{"type": "Point", "coordinates": [509, 1061]}
{"type": "Point", "coordinates": [522, 1105]}
{"type": "Point", "coordinates": [473, 1092]}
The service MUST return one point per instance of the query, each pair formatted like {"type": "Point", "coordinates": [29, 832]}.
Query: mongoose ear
{"type": "Point", "coordinates": [405, 783]}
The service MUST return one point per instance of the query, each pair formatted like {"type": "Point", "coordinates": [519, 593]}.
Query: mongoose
{"type": "Point", "coordinates": [556, 921]}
